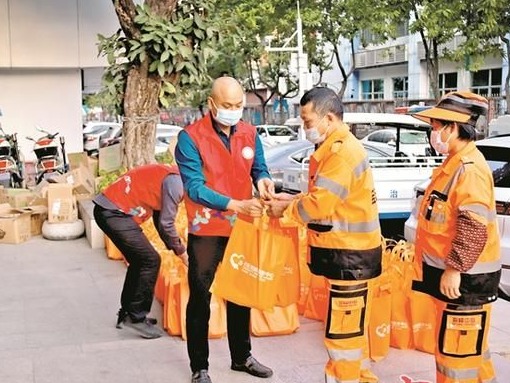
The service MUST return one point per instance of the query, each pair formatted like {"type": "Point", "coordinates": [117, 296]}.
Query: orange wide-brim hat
{"type": "Point", "coordinates": [461, 106]}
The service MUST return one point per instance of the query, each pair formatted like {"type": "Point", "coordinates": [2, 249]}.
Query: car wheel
{"type": "Point", "coordinates": [63, 231]}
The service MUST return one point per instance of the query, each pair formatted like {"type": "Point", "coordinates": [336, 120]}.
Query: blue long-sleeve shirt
{"type": "Point", "coordinates": [190, 166]}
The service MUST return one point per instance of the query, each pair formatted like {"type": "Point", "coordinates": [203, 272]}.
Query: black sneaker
{"type": "Point", "coordinates": [122, 314]}
{"type": "Point", "coordinates": [144, 328]}
{"type": "Point", "coordinates": [200, 377]}
{"type": "Point", "coordinates": [253, 367]}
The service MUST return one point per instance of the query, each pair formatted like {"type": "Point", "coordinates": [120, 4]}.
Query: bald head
{"type": "Point", "coordinates": [226, 89]}
{"type": "Point", "coordinates": [226, 93]}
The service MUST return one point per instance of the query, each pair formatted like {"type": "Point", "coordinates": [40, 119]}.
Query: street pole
{"type": "Point", "coordinates": [299, 29]}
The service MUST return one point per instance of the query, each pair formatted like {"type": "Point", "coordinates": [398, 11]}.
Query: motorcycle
{"type": "Point", "coordinates": [50, 161]}
{"type": "Point", "coordinates": [11, 164]}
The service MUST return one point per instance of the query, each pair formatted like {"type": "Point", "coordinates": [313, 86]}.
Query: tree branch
{"type": "Point", "coordinates": [126, 12]}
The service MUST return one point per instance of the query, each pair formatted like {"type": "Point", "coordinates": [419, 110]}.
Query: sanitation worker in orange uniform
{"type": "Point", "coordinates": [344, 236]}
{"type": "Point", "coordinates": [457, 241]}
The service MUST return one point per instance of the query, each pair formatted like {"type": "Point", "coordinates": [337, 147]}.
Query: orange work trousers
{"type": "Point", "coordinates": [346, 338]}
{"type": "Point", "coordinates": [462, 349]}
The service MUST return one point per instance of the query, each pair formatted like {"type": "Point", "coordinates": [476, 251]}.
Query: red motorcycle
{"type": "Point", "coordinates": [50, 160]}
{"type": "Point", "coordinates": [11, 165]}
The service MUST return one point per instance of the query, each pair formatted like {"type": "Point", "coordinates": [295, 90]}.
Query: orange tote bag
{"type": "Point", "coordinates": [249, 272]}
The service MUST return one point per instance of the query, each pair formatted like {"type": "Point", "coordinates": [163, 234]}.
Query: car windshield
{"type": "Point", "coordinates": [98, 129]}
{"type": "Point", "coordinates": [410, 137]}
{"type": "Point", "coordinates": [277, 151]}
{"type": "Point", "coordinates": [279, 131]}
{"type": "Point", "coordinates": [499, 161]}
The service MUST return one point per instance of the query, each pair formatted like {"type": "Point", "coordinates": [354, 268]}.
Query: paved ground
{"type": "Point", "coordinates": [58, 302]}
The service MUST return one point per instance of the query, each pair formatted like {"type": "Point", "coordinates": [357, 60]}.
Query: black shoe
{"type": "Point", "coordinates": [144, 328]}
{"type": "Point", "coordinates": [122, 314]}
{"type": "Point", "coordinates": [253, 367]}
{"type": "Point", "coordinates": [200, 377]}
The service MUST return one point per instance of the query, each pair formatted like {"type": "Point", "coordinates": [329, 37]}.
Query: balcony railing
{"type": "Point", "coordinates": [382, 56]}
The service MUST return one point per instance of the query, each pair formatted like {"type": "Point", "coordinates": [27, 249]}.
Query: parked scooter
{"type": "Point", "coordinates": [11, 165]}
{"type": "Point", "coordinates": [50, 161]}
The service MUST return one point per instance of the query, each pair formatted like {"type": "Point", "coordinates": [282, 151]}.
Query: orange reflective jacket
{"type": "Point", "coordinates": [463, 184]}
{"type": "Point", "coordinates": [340, 210]}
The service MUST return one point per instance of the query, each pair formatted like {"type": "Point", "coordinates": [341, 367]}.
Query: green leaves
{"type": "Point", "coordinates": [175, 48]}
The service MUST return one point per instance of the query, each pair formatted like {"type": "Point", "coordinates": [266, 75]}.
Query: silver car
{"type": "Point", "coordinates": [291, 155]}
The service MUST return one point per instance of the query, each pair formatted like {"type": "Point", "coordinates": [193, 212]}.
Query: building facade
{"type": "Point", "coordinates": [48, 59]}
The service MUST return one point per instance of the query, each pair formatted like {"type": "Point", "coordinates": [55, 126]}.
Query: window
{"type": "Point", "coordinates": [400, 87]}
{"type": "Point", "coordinates": [447, 82]}
{"type": "Point", "coordinates": [413, 137]}
{"type": "Point", "coordinates": [376, 137]}
{"type": "Point", "coordinates": [302, 155]}
{"type": "Point", "coordinates": [402, 29]}
{"type": "Point", "coordinates": [372, 89]}
{"type": "Point", "coordinates": [498, 160]}
{"type": "Point", "coordinates": [486, 82]}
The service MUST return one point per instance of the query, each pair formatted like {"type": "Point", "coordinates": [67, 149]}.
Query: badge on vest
{"type": "Point", "coordinates": [247, 153]}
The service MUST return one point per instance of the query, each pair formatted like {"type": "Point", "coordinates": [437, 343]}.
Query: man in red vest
{"type": "Point", "coordinates": [220, 159]}
{"type": "Point", "coordinates": [151, 190]}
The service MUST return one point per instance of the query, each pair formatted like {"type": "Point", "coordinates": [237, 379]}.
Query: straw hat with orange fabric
{"type": "Point", "coordinates": [463, 107]}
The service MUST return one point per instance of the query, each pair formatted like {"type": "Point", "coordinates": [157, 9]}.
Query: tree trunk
{"type": "Point", "coordinates": [140, 117]}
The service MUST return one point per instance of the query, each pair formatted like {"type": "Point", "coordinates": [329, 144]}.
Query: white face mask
{"type": "Point", "coordinates": [227, 117]}
{"type": "Point", "coordinates": [313, 135]}
{"type": "Point", "coordinates": [436, 142]}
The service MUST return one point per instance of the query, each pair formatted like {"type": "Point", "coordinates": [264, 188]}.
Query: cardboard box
{"type": "Point", "coordinates": [82, 180]}
{"type": "Point", "coordinates": [94, 234]}
{"type": "Point", "coordinates": [110, 158]}
{"type": "Point", "coordinates": [14, 225]}
{"type": "Point", "coordinates": [18, 198]}
{"type": "Point", "coordinates": [93, 165]}
{"type": "Point", "coordinates": [38, 214]}
{"type": "Point", "coordinates": [3, 197]}
{"type": "Point", "coordinates": [61, 203]}
{"type": "Point", "coordinates": [76, 160]}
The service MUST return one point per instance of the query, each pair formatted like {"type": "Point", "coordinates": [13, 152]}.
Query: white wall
{"type": "Point", "coordinates": [44, 97]}
{"type": "Point", "coordinates": [5, 55]}
{"type": "Point", "coordinates": [94, 16]}
{"type": "Point", "coordinates": [44, 44]}
{"type": "Point", "coordinates": [54, 33]}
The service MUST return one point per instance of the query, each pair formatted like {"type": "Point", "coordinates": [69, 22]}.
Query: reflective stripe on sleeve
{"type": "Point", "coordinates": [302, 212]}
{"type": "Point", "coordinates": [332, 186]}
{"type": "Point", "coordinates": [481, 210]}
{"type": "Point", "coordinates": [361, 167]}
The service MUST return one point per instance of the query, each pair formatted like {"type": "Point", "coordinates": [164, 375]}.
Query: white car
{"type": "Point", "coordinates": [166, 135]}
{"type": "Point", "coordinates": [497, 153]}
{"type": "Point", "coordinates": [276, 134]}
{"type": "Point", "coordinates": [93, 132]}
{"type": "Point", "coordinates": [412, 143]}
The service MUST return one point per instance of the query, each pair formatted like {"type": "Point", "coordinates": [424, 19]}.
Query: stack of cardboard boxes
{"type": "Point", "coordinates": [23, 211]}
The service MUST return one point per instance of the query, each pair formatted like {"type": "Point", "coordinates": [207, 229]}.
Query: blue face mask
{"type": "Point", "coordinates": [227, 117]}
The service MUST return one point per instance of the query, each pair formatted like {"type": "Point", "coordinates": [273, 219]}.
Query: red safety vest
{"type": "Point", "coordinates": [138, 191]}
{"type": "Point", "coordinates": [228, 173]}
